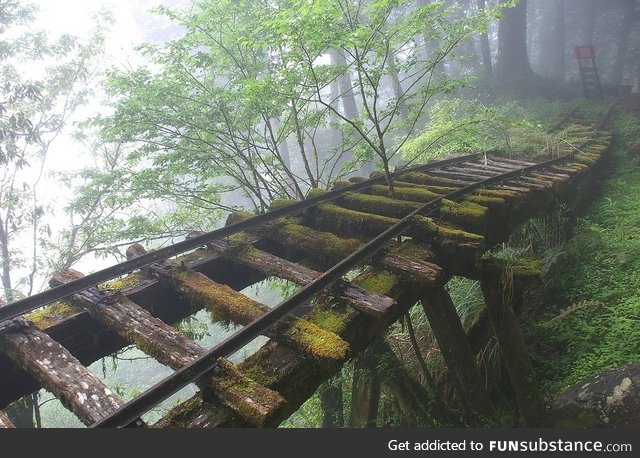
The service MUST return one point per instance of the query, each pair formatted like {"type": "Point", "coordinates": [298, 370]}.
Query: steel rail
{"type": "Point", "coordinates": [129, 414]}
{"type": "Point", "coordinates": [28, 304]}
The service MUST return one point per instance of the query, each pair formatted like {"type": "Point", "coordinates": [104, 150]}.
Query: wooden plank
{"type": "Point", "coordinates": [57, 370]}
{"type": "Point", "coordinates": [372, 304]}
{"type": "Point", "coordinates": [4, 421]}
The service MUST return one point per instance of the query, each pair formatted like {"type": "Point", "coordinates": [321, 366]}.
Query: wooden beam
{"type": "Point", "coordinates": [452, 340]}
{"type": "Point", "coordinates": [271, 265]}
{"type": "Point", "coordinates": [500, 293]}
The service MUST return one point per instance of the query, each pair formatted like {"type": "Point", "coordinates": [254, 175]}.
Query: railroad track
{"type": "Point", "coordinates": [455, 207]}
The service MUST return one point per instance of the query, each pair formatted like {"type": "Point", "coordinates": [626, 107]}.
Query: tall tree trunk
{"type": "Point", "coordinates": [5, 259]}
{"type": "Point", "coordinates": [347, 97]}
{"type": "Point", "coordinates": [485, 47]}
{"type": "Point", "coordinates": [512, 43]}
{"type": "Point", "coordinates": [365, 397]}
{"type": "Point", "coordinates": [623, 41]}
{"type": "Point", "coordinates": [560, 42]}
{"type": "Point", "coordinates": [431, 45]}
{"type": "Point", "coordinates": [590, 7]}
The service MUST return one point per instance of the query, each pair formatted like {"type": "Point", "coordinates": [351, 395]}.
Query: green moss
{"type": "Point", "coordinates": [487, 201]}
{"type": "Point", "coordinates": [335, 321]}
{"type": "Point", "coordinates": [123, 283]}
{"type": "Point", "coordinates": [315, 192]}
{"type": "Point", "coordinates": [238, 216]}
{"type": "Point", "coordinates": [227, 305]}
{"type": "Point", "coordinates": [426, 225]}
{"type": "Point", "coordinates": [279, 203]}
{"type": "Point", "coordinates": [181, 415]}
{"type": "Point", "coordinates": [349, 222]}
{"type": "Point", "coordinates": [378, 281]}
{"type": "Point", "coordinates": [424, 179]}
{"type": "Point", "coordinates": [265, 376]}
{"type": "Point", "coordinates": [51, 314]}
{"type": "Point", "coordinates": [415, 194]}
{"type": "Point", "coordinates": [317, 342]}
{"type": "Point", "coordinates": [340, 184]}
{"type": "Point", "coordinates": [379, 205]}
{"type": "Point", "coordinates": [240, 243]}
{"type": "Point", "coordinates": [463, 210]}
{"type": "Point", "coordinates": [416, 251]}
{"type": "Point", "coordinates": [326, 247]}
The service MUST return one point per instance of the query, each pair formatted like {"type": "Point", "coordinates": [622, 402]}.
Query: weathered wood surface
{"type": "Point", "coordinates": [138, 326]}
{"type": "Point", "coordinates": [271, 265]}
{"type": "Point", "coordinates": [57, 370]}
{"type": "Point", "coordinates": [365, 392]}
{"type": "Point", "coordinates": [4, 421]}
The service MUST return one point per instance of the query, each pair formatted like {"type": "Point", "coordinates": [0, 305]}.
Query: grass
{"type": "Point", "coordinates": [592, 315]}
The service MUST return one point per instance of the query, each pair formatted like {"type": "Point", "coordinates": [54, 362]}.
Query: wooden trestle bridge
{"type": "Point", "coordinates": [440, 222]}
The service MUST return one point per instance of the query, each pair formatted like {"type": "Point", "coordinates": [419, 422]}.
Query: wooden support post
{"type": "Point", "coordinates": [332, 403]}
{"type": "Point", "coordinates": [365, 394]}
{"type": "Point", "coordinates": [452, 340]}
{"type": "Point", "coordinates": [501, 293]}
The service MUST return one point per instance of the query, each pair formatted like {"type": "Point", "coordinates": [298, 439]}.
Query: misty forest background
{"type": "Point", "coordinates": [232, 104]}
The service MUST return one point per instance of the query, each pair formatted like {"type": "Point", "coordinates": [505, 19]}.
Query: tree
{"type": "Point", "coordinates": [629, 17]}
{"type": "Point", "coordinates": [32, 115]}
{"type": "Point", "coordinates": [513, 61]}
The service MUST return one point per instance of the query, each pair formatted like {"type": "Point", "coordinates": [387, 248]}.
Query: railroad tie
{"type": "Point", "coordinates": [253, 402]}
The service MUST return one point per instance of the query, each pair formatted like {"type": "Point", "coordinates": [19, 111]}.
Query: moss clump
{"type": "Point", "coordinates": [379, 205]}
{"type": "Point", "coordinates": [264, 375]}
{"type": "Point", "coordinates": [416, 194]}
{"type": "Point", "coordinates": [252, 401]}
{"type": "Point", "coordinates": [340, 184]}
{"type": "Point", "coordinates": [416, 251]}
{"type": "Point", "coordinates": [51, 314]}
{"type": "Point", "coordinates": [497, 193]}
{"type": "Point", "coordinates": [126, 282]}
{"type": "Point", "coordinates": [349, 222]}
{"type": "Point", "coordinates": [240, 243]}
{"type": "Point", "coordinates": [327, 248]}
{"type": "Point", "coordinates": [279, 203]}
{"type": "Point", "coordinates": [181, 415]}
{"type": "Point", "coordinates": [335, 321]}
{"type": "Point", "coordinates": [463, 210]}
{"type": "Point", "coordinates": [424, 179]}
{"type": "Point", "coordinates": [238, 216]}
{"type": "Point", "coordinates": [378, 281]}
{"type": "Point", "coordinates": [315, 192]}
{"type": "Point", "coordinates": [227, 305]}
{"type": "Point", "coordinates": [487, 201]}
{"type": "Point", "coordinates": [317, 342]}
{"type": "Point", "coordinates": [427, 230]}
